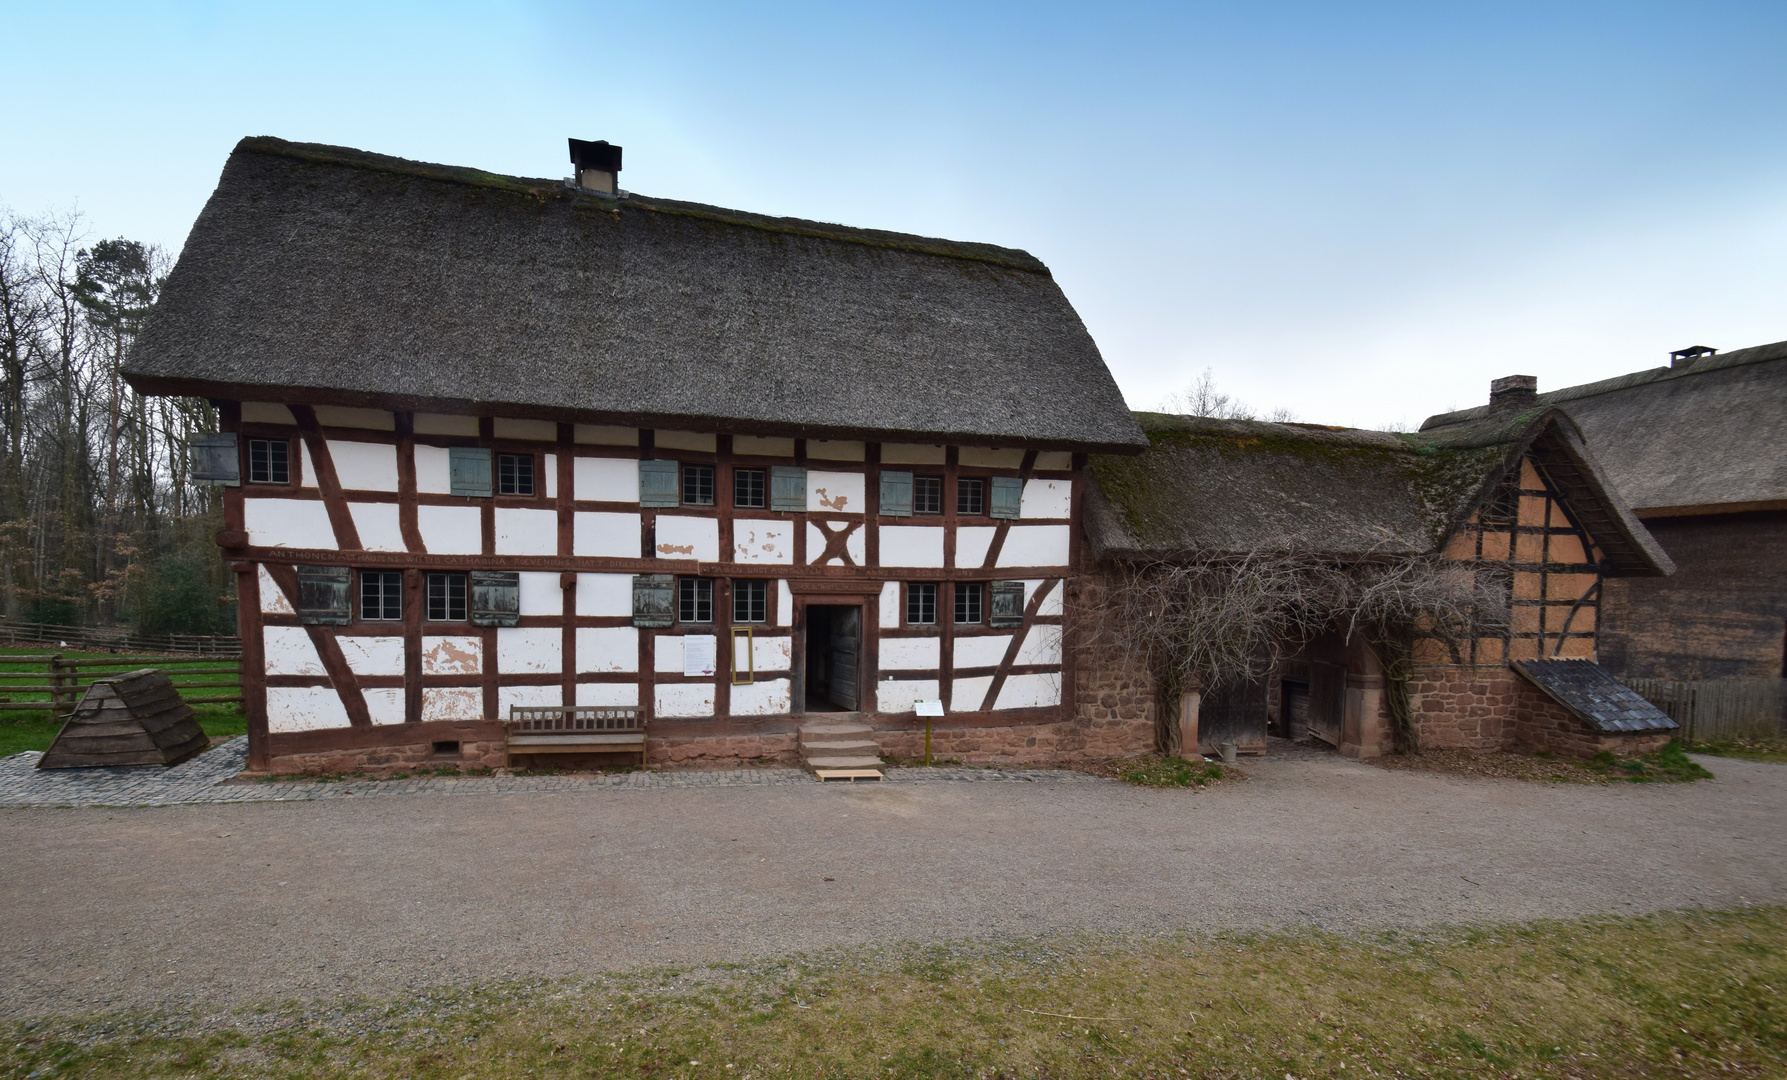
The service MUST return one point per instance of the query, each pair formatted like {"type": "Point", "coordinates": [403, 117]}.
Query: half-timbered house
{"type": "Point", "coordinates": [491, 442]}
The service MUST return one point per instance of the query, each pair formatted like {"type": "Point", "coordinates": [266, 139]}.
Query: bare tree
{"type": "Point", "coordinates": [1202, 398]}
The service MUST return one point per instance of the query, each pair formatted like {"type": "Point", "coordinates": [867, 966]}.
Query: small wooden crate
{"type": "Point", "coordinates": [574, 729]}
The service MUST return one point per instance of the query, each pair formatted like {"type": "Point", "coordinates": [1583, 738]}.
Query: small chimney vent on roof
{"type": "Point", "coordinates": [596, 165]}
{"type": "Point", "coordinates": [1692, 352]}
{"type": "Point", "coordinates": [1513, 392]}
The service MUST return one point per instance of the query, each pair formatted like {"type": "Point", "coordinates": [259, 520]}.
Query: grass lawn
{"type": "Point", "coordinates": [1750, 750]}
{"type": "Point", "coordinates": [28, 729]}
{"type": "Point", "coordinates": [1674, 995]}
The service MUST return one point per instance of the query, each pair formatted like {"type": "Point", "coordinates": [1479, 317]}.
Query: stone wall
{"type": "Point", "coordinates": [1462, 707]}
{"type": "Point", "coordinates": [380, 760]}
{"type": "Point", "coordinates": [1540, 723]}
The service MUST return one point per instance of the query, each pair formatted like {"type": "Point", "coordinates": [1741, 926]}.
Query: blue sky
{"type": "Point", "coordinates": [1360, 212]}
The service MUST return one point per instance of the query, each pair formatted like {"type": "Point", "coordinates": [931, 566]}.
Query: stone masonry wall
{"type": "Point", "coordinates": [1462, 707]}
{"type": "Point", "coordinates": [389, 759]}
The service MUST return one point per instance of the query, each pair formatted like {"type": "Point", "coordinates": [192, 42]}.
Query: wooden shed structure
{"type": "Point", "coordinates": [133, 719]}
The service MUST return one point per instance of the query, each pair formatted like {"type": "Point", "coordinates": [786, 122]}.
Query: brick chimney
{"type": "Point", "coordinates": [596, 165]}
{"type": "Point", "coordinates": [1513, 393]}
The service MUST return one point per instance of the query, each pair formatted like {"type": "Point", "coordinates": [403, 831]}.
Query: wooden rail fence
{"type": "Point", "coordinates": [1716, 710]}
{"type": "Point", "coordinates": [111, 638]}
{"type": "Point", "coordinates": [57, 683]}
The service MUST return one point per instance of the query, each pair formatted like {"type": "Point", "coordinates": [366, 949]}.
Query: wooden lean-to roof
{"type": "Point", "coordinates": [325, 274]}
{"type": "Point", "coordinates": [1706, 436]}
{"type": "Point", "coordinates": [1222, 487]}
{"type": "Point", "coordinates": [136, 718]}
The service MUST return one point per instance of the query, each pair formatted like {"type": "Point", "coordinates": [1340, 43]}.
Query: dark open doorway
{"type": "Point", "coordinates": [834, 658]}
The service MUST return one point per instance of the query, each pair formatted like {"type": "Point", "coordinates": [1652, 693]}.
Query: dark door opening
{"type": "Point", "coordinates": [834, 651]}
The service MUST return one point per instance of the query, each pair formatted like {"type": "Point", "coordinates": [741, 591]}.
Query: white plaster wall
{"type": "Point", "coordinates": [541, 594]}
{"type": "Point", "coordinates": [538, 430]}
{"type": "Point", "coordinates": [972, 542]}
{"type": "Point", "coordinates": [837, 449]}
{"type": "Point", "coordinates": [667, 653]}
{"type": "Point", "coordinates": [762, 698]}
{"type": "Point", "coordinates": [378, 526]}
{"type": "Point", "coordinates": [600, 534]}
{"type": "Point", "coordinates": [1035, 545]}
{"type": "Point", "coordinates": [835, 492]}
{"type": "Point", "coordinates": [603, 479]}
{"type": "Point", "coordinates": [266, 412]}
{"type": "Point", "coordinates": [273, 600]}
{"type": "Point", "coordinates": [1057, 460]}
{"type": "Point", "coordinates": [1029, 692]}
{"type": "Point", "coordinates": [452, 703]}
{"type": "Point", "coordinates": [702, 441]}
{"type": "Point", "coordinates": [911, 654]}
{"type": "Point", "coordinates": [1042, 645]}
{"type": "Point", "coordinates": [1051, 601]}
{"type": "Point", "coordinates": [529, 649]}
{"type": "Point", "coordinates": [772, 653]}
{"type": "Point", "coordinates": [784, 604]}
{"type": "Point", "coordinates": [306, 468]}
{"type": "Point", "coordinates": [889, 608]}
{"type": "Point", "coordinates": [372, 655]}
{"type": "Point", "coordinates": [684, 699]}
{"type": "Point", "coordinates": [688, 538]}
{"type": "Point", "coordinates": [912, 454]}
{"type": "Point", "coordinates": [304, 708]}
{"type": "Point", "coordinates": [1047, 499]}
{"type": "Point", "coordinates": [452, 655]}
{"type": "Point", "coordinates": [364, 466]}
{"type": "Point", "coordinates": [526, 532]}
{"type": "Point", "coordinates": [433, 472]}
{"type": "Point", "coordinates": [608, 694]}
{"type": "Point", "coordinates": [347, 416]}
{"type": "Point", "coordinates": [982, 650]}
{"type": "Point", "coordinates": [509, 696]}
{"type": "Point", "coordinates": [289, 652]}
{"type": "Point", "coordinates": [967, 695]}
{"type": "Point", "coordinates": [911, 545]}
{"type": "Point", "coordinates": [985, 457]}
{"type": "Point", "coordinates": [758, 446]}
{"type": "Point", "coordinates": [607, 648]}
{"type": "Point", "coordinates": [756, 540]}
{"type": "Point", "coordinates": [295, 523]}
{"type": "Point", "coordinates": [899, 695]}
{"type": "Point", "coordinates": [855, 544]}
{"type": "Point", "coordinates": [606, 435]}
{"type": "Point", "coordinates": [604, 594]}
{"type": "Point", "coordinates": [550, 462]}
{"type": "Point", "coordinates": [451, 530]}
{"type": "Point", "coordinates": [384, 704]}
{"type": "Point", "coordinates": [445, 424]}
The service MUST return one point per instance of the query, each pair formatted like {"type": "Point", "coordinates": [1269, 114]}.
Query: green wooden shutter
{"type": "Point", "coordinates": [1008, 497]}
{"type": "Point", "coordinates": [788, 488]}
{"type": "Point", "coordinates": [896, 493]}
{"type": "Point", "coordinates": [1008, 604]}
{"type": "Point", "coordinates": [469, 471]}
{"type": "Point", "coordinates": [654, 599]}
{"type": "Point", "coordinates": [660, 484]}
{"type": "Point", "coordinates": [325, 596]}
{"type": "Point", "coordinates": [214, 459]}
{"type": "Point", "coordinates": [495, 597]}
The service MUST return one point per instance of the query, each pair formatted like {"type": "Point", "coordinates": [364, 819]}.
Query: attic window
{"type": "Point", "coordinates": [269, 461]}
{"type": "Point", "coordinates": [515, 474]}
{"type": "Point", "coordinates": [971, 499]}
{"type": "Point", "coordinates": [748, 488]}
{"type": "Point", "coordinates": [698, 485]}
{"type": "Point", "coordinates": [927, 495]}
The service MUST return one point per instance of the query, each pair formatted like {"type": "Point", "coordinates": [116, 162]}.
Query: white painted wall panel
{"type": "Point", "coordinates": [347, 416]}
{"type": "Point", "coordinates": [445, 424]}
{"type": "Point", "coordinates": [372, 655]}
{"type": "Point", "coordinates": [684, 699]}
{"type": "Point", "coordinates": [911, 654]}
{"type": "Point", "coordinates": [273, 600]}
{"type": "Point", "coordinates": [510, 696]}
{"type": "Point", "coordinates": [289, 652]}
{"type": "Point", "coordinates": [972, 543]}
{"type": "Point", "coordinates": [889, 608]}
{"type": "Point", "coordinates": [378, 526]}
{"type": "Point", "coordinates": [769, 698]}
{"type": "Point", "coordinates": [538, 430]}
{"type": "Point", "coordinates": [703, 441]}
{"type": "Point", "coordinates": [266, 412]}
{"type": "Point", "coordinates": [452, 703]}
{"type": "Point", "coordinates": [982, 650]}
{"type": "Point", "coordinates": [1059, 460]}
{"type": "Point", "coordinates": [898, 695]}
{"type": "Point", "coordinates": [1042, 645]}
{"type": "Point", "coordinates": [1048, 499]}
{"type": "Point", "coordinates": [536, 650]}
{"type": "Point", "coordinates": [835, 492]}
{"type": "Point", "coordinates": [541, 593]}
{"type": "Point", "coordinates": [612, 535]}
{"type": "Point", "coordinates": [304, 708]}
{"type": "Point", "coordinates": [384, 704]}
{"type": "Point", "coordinates": [856, 544]}
{"type": "Point", "coordinates": [608, 694]}
{"type": "Point", "coordinates": [364, 466]}
{"type": "Point", "coordinates": [772, 653]}
{"type": "Point", "coordinates": [600, 479]}
{"type": "Point", "coordinates": [756, 540]}
{"type": "Point", "coordinates": [607, 648]}
{"type": "Point", "coordinates": [604, 594]}
{"type": "Point", "coordinates": [968, 694]}
{"type": "Point", "coordinates": [667, 653]}
{"type": "Point", "coordinates": [759, 446]}
{"type": "Point", "coordinates": [1035, 545]}
{"type": "Point", "coordinates": [526, 532]}
{"type": "Point", "coordinates": [433, 474]}
{"type": "Point", "coordinates": [294, 523]}
{"type": "Point", "coordinates": [606, 435]}
{"type": "Point", "coordinates": [551, 464]}
{"type": "Point", "coordinates": [985, 457]}
{"type": "Point", "coordinates": [911, 545]}
{"type": "Point", "coordinates": [1029, 692]}
{"type": "Point", "coordinates": [306, 467]}
{"type": "Point", "coordinates": [452, 655]}
{"type": "Point", "coordinates": [912, 454]}
{"type": "Point", "coordinates": [451, 530]}
{"type": "Point", "coordinates": [784, 604]}
{"type": "Point", "coordinates": [1051, 602]}
{"type": "Point", "coordinates": [688, 538]}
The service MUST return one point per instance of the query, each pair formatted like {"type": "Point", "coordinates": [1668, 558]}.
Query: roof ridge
{"type": "Point", "coordinates": [543, 188]}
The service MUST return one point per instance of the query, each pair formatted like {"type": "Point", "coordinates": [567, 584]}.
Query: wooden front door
{"type": "Point", "coordinates": [1327, 702]}
{"type": "Point", "coordinates": [846, 657]}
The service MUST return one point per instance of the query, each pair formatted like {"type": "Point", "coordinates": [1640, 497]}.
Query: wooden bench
{"type": "Point", "coordinates": [574, 729]}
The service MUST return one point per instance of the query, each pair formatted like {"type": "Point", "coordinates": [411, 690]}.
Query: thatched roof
{"type": "Point", "coordinates": [324, 274]}
{"type": "Point", "coordinates": [1709, 435]}
{"type": "Point", "coordinates": [1209, 487]}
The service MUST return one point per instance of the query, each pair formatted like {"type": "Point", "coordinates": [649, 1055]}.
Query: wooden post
{"type": "Point", "coordinates": [55, 672]}
{"type": "Point", "coordinates": [1188, 725]}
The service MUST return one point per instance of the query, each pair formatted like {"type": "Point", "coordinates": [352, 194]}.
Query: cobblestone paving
{"type": "Point", "coordinates": [206, 779]}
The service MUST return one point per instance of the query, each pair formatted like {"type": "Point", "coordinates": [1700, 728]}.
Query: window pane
{"type": "Point", "coordinates": [515, 474]}
{"type": "Point", "coordinates": [381, 595]}
{"type": "Point", "coordinates": [446, 597]}
{"type": "Point", "coordinates": [750, 601]}
{"type": "Point", "coordinates": [698, 485]}
{"type": "Point", "coordinates": [921, 603]}
{"type": "Point", "coordinates": [747, 488]}
{"type": "Point", "coordinates": [971, 497]}
{"type": "Point", "coordinates": [927, 495]}
{"type": "Point", "coordinates": [269, 461]}
{"type": "Point", "coordinates": [968, 603]}
{"type": "Point", "coordinates": [695, 600]}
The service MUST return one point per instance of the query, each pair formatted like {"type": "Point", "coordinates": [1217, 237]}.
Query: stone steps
{"type": "Point", "coordinates": [840, 749]}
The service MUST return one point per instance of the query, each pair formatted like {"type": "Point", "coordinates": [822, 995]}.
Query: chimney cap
{"type": "Point", "coordinates": [1682, 356]}
{"type": "Point", "coordinates": [1513, 392]}
{"type": "Point", "coordinates": [600, 154]}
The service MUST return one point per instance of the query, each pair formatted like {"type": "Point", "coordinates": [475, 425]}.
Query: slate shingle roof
{"type": "Point", "coordinates": [1596, 697]}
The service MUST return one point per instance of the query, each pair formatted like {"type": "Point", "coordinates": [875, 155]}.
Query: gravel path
{"type": "Point", "coordinates": [218, 904]}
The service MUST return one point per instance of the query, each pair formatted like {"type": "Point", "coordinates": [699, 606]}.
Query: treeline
{"type": "Point", "coordinates": [99, 521]}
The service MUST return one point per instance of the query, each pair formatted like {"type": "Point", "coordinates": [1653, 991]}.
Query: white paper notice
{"type": "Point", "coordinates": [928, 708]}
{"type": "Point", "coordinates": [698, 654]}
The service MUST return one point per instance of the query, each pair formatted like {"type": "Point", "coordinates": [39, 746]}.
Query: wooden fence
{"type": "Point", "coordinates": [56, 684]}
{"type": "Point", "coordinates": [114, 638]}
{"type": "Point", "coordinates": [1716, 710]}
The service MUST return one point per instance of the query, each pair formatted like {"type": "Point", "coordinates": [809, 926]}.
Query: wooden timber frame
{"type": "Point", "coordinates": [831, 574]}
